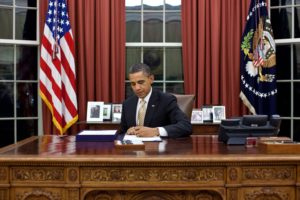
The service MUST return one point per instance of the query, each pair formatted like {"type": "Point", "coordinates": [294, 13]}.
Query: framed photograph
{"type": "Point", "coordinates": [116, 117]}
{"type": "Point", "coordinates": [107, 111]}
{"type": "Point", "coordinates": [197, 116]}
{"type": "Point", "coordinates": [218, 113]}
{"type": "Point", "coordinates": [207, 113]}
{"type": "Point", "coordinates": [116, 112]}
{"type": "Point", "coordinates": [94, 111]}
{"type": "Point", "coordinates": [117, 108]}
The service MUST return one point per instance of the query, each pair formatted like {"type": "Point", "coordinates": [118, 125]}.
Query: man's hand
{"type": "Point", "coordinates": [142, 131]}
{"type": "Point", "coordinates": [131, 131]}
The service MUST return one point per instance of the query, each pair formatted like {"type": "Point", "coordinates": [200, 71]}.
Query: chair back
{"type": "Point", "coordinates": [186, 103]}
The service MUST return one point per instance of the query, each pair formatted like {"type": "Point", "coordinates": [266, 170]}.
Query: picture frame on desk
{"type": "Point", "coordinates": [107, 116]}
{"type": "Point", "coordinates": [117, 108]}
{"type": "Point", "coordinates": [218, 113]}
{"type": "Point", "coordinates": [116, 112]}
{"type": "Point", "coordinates": [94, 111]}
{"type": "Point", "coordinates": [207, 113]}
{"type": "Point", "coordinates": [197, 116]}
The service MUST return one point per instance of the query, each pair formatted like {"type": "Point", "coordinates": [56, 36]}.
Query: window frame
{"type": "Point", "coordinates": [17, 42]}
{"type": "Point", "coordinates": [289, 42]}
{"type": "Point", "coordinates": [163, 45]}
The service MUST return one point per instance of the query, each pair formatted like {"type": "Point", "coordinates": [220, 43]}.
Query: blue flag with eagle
{"type": "Point", "coordinates": [258, 60]}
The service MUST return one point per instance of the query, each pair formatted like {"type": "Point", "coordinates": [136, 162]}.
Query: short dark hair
{"type": "Point", "coordinates": [140, 67]}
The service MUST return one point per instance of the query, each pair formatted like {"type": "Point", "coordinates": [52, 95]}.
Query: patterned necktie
{"type": "Point", "coordinates": [142, 112]}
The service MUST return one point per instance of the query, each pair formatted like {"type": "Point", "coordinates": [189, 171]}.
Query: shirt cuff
{"type": "Point", "coordinates": [162, 132]}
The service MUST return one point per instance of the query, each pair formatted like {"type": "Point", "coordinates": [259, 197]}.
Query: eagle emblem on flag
{"type": "Point", "coordinates": [263, 51]}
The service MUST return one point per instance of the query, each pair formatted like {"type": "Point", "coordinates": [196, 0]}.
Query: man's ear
{"type": "Point", "coordinates": [151, 77]}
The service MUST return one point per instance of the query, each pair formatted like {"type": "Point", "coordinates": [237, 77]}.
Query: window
{"type": "Point", "coordinates": [285, 18]}
{"type": "Point", "coordinates": [153, 36]}
{"type": "Point", "coordinates": [18, 70]}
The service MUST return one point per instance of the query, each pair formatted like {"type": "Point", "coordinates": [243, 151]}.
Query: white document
{"type": "Point", "coordinates": [98, 132]}
{"type": "Point", "coordinates": [144, 139]}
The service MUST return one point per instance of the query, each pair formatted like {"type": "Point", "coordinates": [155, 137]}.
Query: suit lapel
{"type": "Point", "coordinates": [151, 108]}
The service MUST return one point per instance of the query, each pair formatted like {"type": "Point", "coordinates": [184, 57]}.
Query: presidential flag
{"type": "Point", "coordinates": [57, 67]}
{"type": "Point", "coordinates": [258, 60]}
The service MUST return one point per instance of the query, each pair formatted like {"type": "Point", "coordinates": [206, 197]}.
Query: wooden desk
{"type": "Point", "coordinates": [198, 129]}
{"type": "Point", "coordinates": [198, 167]}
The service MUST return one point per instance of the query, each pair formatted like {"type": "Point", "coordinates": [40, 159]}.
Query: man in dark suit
{"type": "Point", "coordinates": [162, 117]}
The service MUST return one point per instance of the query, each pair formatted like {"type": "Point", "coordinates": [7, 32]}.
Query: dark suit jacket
{"type": "Point", "coordinates": [162, 111]}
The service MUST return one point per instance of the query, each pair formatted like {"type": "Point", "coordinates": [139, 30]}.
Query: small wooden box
{"type": "Point", "coordinates": [279, 147]}
{"type": "Point", "coordinates": [275, 138]}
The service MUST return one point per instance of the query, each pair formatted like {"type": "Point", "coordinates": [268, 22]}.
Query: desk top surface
{"type": "Point", "coordinates": [194, 147]}
{"type": "Point", "coordinates": [191, 149]}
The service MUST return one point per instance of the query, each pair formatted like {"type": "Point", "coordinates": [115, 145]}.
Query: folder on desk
{"type": "Point", "coordinates": [96, 136]}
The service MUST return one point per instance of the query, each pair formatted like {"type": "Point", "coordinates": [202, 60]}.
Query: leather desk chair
{"type": "Point", "coordinates": [186, 103]}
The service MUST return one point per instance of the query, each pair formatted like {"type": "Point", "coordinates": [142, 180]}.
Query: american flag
{"type": "Point", "coordinates": [57, 67]}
